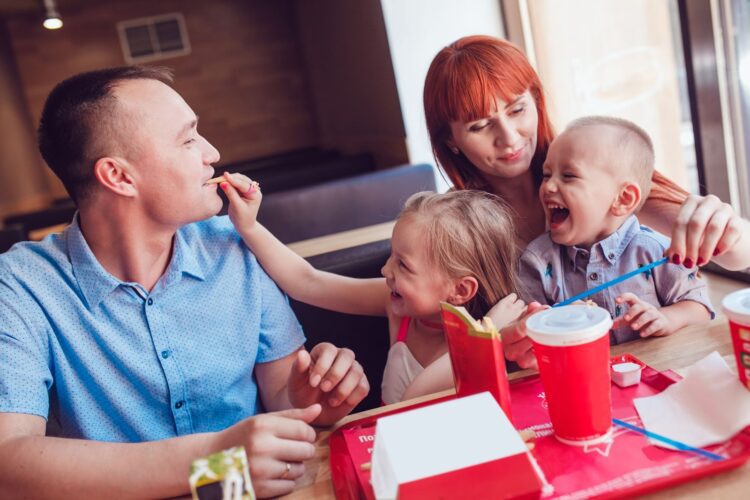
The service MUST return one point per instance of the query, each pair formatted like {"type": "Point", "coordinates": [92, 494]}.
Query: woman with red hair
{"type": "Point", "coordinates": [489, 129]}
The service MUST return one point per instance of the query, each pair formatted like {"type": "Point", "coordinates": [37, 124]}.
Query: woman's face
{"type": "Point", "coordinates": [502, 144]}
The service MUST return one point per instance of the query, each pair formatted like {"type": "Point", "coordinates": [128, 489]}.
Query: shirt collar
{"type": "Point", "coordinates": [610, 247]}
{"type": "Point", "coordinates": [96, 283]}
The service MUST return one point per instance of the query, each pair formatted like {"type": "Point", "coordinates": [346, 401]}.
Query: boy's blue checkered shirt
{"type": "Point", "coordinates": [550, 273]}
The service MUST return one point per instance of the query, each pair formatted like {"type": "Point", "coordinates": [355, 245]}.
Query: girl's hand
{"type": "Point", "coordinates": [705, 227]}
{"type": "Point", "coordinates": [509, 309]}
{"type": "Point", "coordinates": [644, 317]}
{"type": "Point", "coordinates": [244, 200]}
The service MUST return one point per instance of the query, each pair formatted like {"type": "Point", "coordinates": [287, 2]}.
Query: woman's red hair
{"type": "Point", "coordinates": [462, 84]}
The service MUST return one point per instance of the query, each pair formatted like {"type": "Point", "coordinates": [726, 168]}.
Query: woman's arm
{"type": "Point", "coordinates": [291, 272]}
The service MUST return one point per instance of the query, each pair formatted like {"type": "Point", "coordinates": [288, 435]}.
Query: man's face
{"type": "Point", "coordinates": [170, 162]}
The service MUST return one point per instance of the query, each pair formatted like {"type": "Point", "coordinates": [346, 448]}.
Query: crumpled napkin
{"type": "Point", "coordinates": [708, 406]}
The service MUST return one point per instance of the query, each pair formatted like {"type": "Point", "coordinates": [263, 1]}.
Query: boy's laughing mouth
{"type": "Point", "coordinates": [557, 214]}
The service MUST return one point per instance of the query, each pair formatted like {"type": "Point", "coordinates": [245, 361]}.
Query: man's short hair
{"type": "Point", "coordinates": [634, 149]}
{"type": "Point", "coordinates": [79, 123]}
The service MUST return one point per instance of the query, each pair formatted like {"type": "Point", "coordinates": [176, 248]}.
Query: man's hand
{"type": "Point", "coordinates": [329, 376]}
{"type": "Point", "coordinates": [516, 344]}
{"type": "Point", "coordinates": [508, 309]}
{"type": "Point", "coordinates": [244, 200]}
{"type": "Point", "coordinates": [276, 445]}
{"type": "Point", "coordinates": [643, 317]}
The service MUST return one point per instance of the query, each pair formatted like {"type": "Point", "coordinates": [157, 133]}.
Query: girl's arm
{"type": "Point", "coordinates": [702, 228]}
{"type": "Point", "coordinates": [291, 272]}
{"type": "Point", "coordinates": [437, 376]}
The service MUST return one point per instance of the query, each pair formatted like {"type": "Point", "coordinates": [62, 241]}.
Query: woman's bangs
{"type": "Point", "coordinates": [474, 89]}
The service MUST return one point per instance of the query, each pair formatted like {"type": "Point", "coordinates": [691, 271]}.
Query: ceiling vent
{"type": "Point", "coordinates": [153, 38]}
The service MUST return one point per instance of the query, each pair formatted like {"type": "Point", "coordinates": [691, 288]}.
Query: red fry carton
{"type": "Point", "coordinates": [476, 353]}
{"type": "Point", "coordinates": [462, 448]}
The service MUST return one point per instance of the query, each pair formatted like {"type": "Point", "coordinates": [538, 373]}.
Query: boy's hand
{"type": "Point", "coordinates": [244, 199]}
{"type": "Point", "coordinates": [643, 317]}
{"type": "Point", "coordinates": [329, 376]}
{"type": "Point", "coordinates": [508, 309]}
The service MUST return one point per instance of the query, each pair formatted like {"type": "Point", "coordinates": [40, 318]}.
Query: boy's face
{"type": "Point", "coordinates": [580, 185]}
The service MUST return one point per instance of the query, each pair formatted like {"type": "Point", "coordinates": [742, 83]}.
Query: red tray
{"type": "Point", "coordinates": [627, 466]}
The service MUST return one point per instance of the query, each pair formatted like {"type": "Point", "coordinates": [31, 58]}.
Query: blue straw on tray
{"type": "Point", "coordinates": [615, 281]}
{"type": "Point", "coordinates": [676, 444]}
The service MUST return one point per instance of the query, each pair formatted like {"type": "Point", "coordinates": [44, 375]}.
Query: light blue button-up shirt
{"type": "Point", "coordinates": [114, 362]}
{"type": "Point", "coordinates": [550, 273]}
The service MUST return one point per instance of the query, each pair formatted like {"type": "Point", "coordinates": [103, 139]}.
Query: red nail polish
{"type": "Point", "coordinates": [700, 262]}
{"type": "Point", "coordinates": [688, 263]}
{"type": "Point", "coordinates": [224, 185]}
{"type": "Point", "coordinates": [717, 251]}
{"type": "Point", "coordinates": [676, 259]}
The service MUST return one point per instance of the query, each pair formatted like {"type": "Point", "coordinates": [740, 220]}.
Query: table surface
{"type": "Point", "coordinates": [675, 352]}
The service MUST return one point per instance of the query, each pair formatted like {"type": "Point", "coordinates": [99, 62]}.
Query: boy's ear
{"type": "Point", "coordinates": [627, 199]}
{"type": "Point", "coordinates": [114, 174]}
{"type": "Point", "coordinates": [464, 289]}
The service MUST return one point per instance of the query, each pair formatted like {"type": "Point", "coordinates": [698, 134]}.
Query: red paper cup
{"type": "Point", "coordinates": [737, 308]}
{"type": "Point", "coordinates": [571, 344]}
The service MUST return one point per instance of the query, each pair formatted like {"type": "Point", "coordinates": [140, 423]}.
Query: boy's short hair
{"type": "Point", "coordinates": [634, 149]}
{"type": "Point", "coordinates": [80, 124]}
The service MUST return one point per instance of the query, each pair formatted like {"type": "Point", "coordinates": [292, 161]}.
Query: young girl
{"type": "Point", "coordinates": [457, 247]}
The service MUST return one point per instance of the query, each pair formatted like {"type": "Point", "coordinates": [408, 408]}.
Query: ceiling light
{"type": "Point", "coordinates": [52, 18]}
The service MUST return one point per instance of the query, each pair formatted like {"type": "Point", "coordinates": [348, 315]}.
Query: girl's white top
{"type": "Point", "coordinates": [401, 369]}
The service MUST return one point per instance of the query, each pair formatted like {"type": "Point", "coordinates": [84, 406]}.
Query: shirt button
{"type": "Point", "coordinates": [593, 276]}
{"type": "Point", "coordinates": [150, 301]}
{"type": "Point", "coordinates": [611, 256]}
{"type": "Point", "coordinates": [165, 354]}
{"type": "Point", "coordinates": [179, 404]}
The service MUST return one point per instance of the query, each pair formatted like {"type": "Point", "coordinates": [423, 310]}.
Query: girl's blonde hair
{"type": "Point", "coordinates": [470, 233]}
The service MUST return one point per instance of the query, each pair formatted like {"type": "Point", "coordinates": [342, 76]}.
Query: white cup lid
{"type": "Point", "coordinates": [736, 306]}
{"type": "Point", "coordinates": [568, 325]}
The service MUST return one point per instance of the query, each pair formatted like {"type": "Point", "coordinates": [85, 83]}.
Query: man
{"type": "Point", "coordinates": [146, 327]}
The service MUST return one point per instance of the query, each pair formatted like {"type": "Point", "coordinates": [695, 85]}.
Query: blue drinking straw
{"type": "Point", "coordinates": [615, 281]}
{"type": "Point", "coordinates": [676, 444]}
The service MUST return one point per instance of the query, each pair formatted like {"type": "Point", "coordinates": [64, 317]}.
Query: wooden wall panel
{"type": "Point", "coordinates": [244, 76]}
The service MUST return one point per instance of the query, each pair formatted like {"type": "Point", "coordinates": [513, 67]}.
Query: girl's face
{"type": "Point", "coordinates": [502, 144]}
{"type": "Point", "coordinates": [417, 287]}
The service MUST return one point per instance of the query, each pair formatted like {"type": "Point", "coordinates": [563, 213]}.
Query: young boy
{"type": "Point", "coordinates": [597, 173]}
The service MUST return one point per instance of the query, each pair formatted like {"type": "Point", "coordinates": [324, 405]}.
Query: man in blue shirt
{"type": "Point", "coordinates": [147, 328]}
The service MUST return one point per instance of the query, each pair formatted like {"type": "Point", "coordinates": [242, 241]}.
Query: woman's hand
{"type": "Point", "coordinates": [516, 344]}
{"type": "Point", "coordinates": [705, 228]}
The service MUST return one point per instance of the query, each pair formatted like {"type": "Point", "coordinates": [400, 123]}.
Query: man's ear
{"type": "Point", "coordinates": [464, 289]}
{"type": "Point", "coordinates": [627, 199]}
{"type": "Point", "coordinates": [114, 174]}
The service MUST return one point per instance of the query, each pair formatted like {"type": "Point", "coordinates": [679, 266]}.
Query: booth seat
{"type": "Point", "coordinates": [343, 204]}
